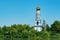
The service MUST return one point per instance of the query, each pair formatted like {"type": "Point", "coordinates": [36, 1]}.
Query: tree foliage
{"type": "Point", "coordinates": [56, 26]}
{"type": "Point", "coordinates": [26, 32]}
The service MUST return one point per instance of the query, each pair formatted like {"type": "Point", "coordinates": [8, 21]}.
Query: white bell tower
{"type": "Point", "coordinates": [37, 20]}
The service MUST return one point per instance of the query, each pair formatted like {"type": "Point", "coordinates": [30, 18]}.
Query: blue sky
{"type": "Point", "coordinates": [23, 11]}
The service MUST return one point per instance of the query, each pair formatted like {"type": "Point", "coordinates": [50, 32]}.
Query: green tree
{"type": "Point", "coordinates": [47, 27]}
{"type": "Point", "coordinates": [55, 27]}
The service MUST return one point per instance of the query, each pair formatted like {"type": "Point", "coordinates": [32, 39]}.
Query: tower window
{"type": "Point", "coordinates": [37, 22]}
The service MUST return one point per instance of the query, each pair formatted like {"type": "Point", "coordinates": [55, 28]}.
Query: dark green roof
{"type": "Point", "coordinates": [38, 8]}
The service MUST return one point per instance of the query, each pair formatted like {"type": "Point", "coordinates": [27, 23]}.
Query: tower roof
{"type": "Point", "coordinates": [37, 8]}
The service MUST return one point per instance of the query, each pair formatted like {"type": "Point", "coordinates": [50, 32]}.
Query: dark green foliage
{"type": "Point", "coordinates": [55, 27]}
{"type": "Point", "coordinates": [25, 32]}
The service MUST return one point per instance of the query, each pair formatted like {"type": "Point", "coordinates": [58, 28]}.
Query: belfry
{"type": "Point", "coordinates": [38, 20]}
